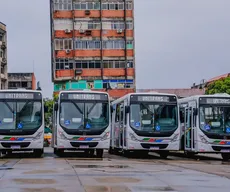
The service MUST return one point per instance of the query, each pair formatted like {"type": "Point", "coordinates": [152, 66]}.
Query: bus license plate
{"type": "Point", "coordinates": [154, 148]}
{"type": "Point", "coordinates": [225, 151]}
{"type": "Point", "coordinates": [15, 147]}
{"type": "Point", "coordinates": [84, 146]}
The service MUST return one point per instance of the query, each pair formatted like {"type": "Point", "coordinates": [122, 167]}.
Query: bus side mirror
{"type": "Point", "coordinates": [45, 109]}
{"type": "Point", "coordinates": [55, 106]}
{"type": "Point", "coordinates": [195, 112]}
{"type": "Point", "coordinates": [127, 109]}
{"type": "Point", "coordinates": [111, 109]}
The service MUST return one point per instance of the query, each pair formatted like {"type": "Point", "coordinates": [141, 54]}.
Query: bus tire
{"type": "Point", "coordinates": [99, 153]}
{"type": "Point", "coordinates": [164, 154]}
{"type": "Point", "coordinates": [126, 153]}
{"type": "Point", "coordinates": [89, 153]}
{"type": "Point", "coordinates": [59, 152]}
{"type": "Point", "coordinates": [38, 152]}
{"type": "Point", "coordinates": [111, 151]}
{"type": "Point", "coordinates": [225, 156]}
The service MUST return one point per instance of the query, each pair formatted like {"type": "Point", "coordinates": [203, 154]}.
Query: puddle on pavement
{"type": "Point", "coordinates": [6, 168]}
{"type": "Point", "coordinates": [107, 189]}
{"type": "Point", "coordinates": [117, 180]}
{"type": "Point", "coordinates": [145, 189]}
{"type": "Point", "coordinates": [41, 190]}
{"type": "Point", "coordinates": [39, 171]}
{"type": "Point", "coordinates": [101, 166]}
{"type": "Point", "coordinates": [34, 181]}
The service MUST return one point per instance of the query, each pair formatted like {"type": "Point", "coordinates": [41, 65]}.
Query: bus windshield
{"type": "Point", "coordinates": [153, 117]}
{"type": "Point", "coordinates": [23, 115]}
{"type": "Point", "coordinates": [80, 115]}
{"type": "Point", "coordinates": [215, 119]}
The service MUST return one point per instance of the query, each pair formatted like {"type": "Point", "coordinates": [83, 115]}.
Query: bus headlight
{"type": "Point", "coordinates": [38, 136]}
{"type": "Point", "coordinates": [62, 136]}
{"type": "Point", "coordinates": [133, 138]}
{"type": "Point", "coordinates": [106, 136]}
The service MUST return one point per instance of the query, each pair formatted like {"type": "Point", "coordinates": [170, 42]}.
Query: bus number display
{"type": "Point", "coordinates": [153, 98]}
{"type": "Point", "coordinates": [218, 101]}
{"type": "Point", "coordinates": [16, 95]}
{"type": "Point", "coordinates": [86, 96]}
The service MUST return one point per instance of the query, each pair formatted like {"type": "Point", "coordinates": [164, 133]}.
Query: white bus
{"type": "Point", "coordinates": [144, 122]}
{"type": "Point", "coordinates": [21, 121]}
{"type": "Point", "coordinates": [81, 122]}
{"type": "Point", "coordinates": [205, 124]}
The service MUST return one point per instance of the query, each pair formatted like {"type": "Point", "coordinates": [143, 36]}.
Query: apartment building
{"type": "Point", "coordinates": [3, 56]}
{"type": "Point", "coordinates": [21, 80]}
{"type": "Point", "coordinates": [93, 45]}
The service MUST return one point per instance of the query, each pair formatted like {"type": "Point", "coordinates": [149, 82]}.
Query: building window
{"type": "Point", "coordinates": [114, 44]}
{"type": "Point", "coordinates": [117, 25]}
{"type": "Point", "coordinates": [129, 44]}
{"type": "Point", "coordinates": [94, 64]}
{"type": "Point", "coordinates": [87, 5]}
{"type": "Point", "coordinates": [1, 53]}
{"type": "Point", "coordinates": [129, 5]}
{"type": "Point", "coordinates": [64, 64]}
{"type": "Point", "coordinates": [63, 44]}
{"type": "Point", "coordinates": [88, 44]}
{"type": "Point", "coordinates": [94, 25]}
{"type": "Point", "coordinates": [62, 4]}
{"type": "Point", "coordinates": [113, 6]}
{"type": "Point", "coordinates": [129, 25]}
{"type": "Point", "coordinates": [117, 64]}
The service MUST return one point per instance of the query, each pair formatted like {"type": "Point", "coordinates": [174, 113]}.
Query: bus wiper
{"type": "Point", "coordinates": [77, 107]}
{"type": "Point", "coordinates": [9, 107]}
{"type": "Point", "coordinates": [91, 108]}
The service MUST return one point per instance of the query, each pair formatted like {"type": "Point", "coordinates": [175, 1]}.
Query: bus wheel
{"type": "Point", "coordinates": [38, 152]}
{"type": "Point", "coordinates": [90, 153]}
{"type": "Point", "coordinates": [225, 156]}
{"type": "Point", "coordinates": [126, 153]}
{"type": "Point", "coordinates": [99, 153]}
{"type": "Point", "coordinates": [164, 154]}
{"type": "Point", "coordinates": [111, 151]}
{"type": "Point", "coordinates": [189, 154]}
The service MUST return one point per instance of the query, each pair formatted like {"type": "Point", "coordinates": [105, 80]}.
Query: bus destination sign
{"type": "Point", "coordinates": [12, 95]}
{"type": "Point", "coordinates": [84, 96]}
{"type": "Point", "coordinates": [153, 98]}
{"type": "Point", "coordinates": [215, 101]}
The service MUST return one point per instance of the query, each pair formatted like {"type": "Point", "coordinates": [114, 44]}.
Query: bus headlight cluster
{"type": "Point", "coordinates": [106, 136]}
{"type": "Point", "coordinates": [203, 140]}
{"type": "Point", "coordinates": [38, 136]}
{"type": "Point", "coordinates": [133, 138]}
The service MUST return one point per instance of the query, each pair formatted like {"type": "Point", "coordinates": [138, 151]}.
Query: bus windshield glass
{"type": "Point", "coordinates": [153, 117]}
{"type": "Point", "coordinates": [21, 115]}
{"type": "Point", "coordinates": [215, 119]}
{"type": "Point", "coordinates": [84, 115]}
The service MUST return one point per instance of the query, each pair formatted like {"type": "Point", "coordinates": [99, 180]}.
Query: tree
{"type": "Point", "coordinates": [48, 115]}
{"type": "Point", "coordinates": [219, 86]}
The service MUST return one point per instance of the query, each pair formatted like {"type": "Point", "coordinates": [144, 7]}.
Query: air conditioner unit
{"type": "Point", "coordinates": [3, 46]}
{"type": "Point", "coordinates": [67, 51]}
{"type": "Point", "coordinates": [119, 31]}
{"type": "Point", "coordinates": [67, 31]}
{"type": "Point", "coordinates": [87, 12]}
{"type": "Point", "coordinates": [81, 31]}
{"type": "Point", "coordinates": [4, 60]}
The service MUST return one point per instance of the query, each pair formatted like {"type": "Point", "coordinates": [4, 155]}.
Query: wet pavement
{"type": "Point", "coordinates": [113, 174]}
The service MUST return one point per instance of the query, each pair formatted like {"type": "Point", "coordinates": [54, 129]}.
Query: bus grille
{"type": "Point", "coordinates": [21, 144]}
{"type": "Point", "coordinates": [90, 144]}
{"type": "Point", "coordinates": [147, 146]}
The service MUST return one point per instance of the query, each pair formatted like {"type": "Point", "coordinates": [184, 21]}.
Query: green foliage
{"type": "Point", "coordinates": [49, 113]}
{"type": "Point", "coordinates": [220, 86]}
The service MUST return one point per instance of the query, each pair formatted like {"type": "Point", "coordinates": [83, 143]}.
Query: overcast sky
{"type": "Point", "coordinates": [178, 42]}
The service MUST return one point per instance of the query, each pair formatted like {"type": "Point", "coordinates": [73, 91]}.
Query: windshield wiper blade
{"type": "Point", "coordinates": [9, 107]}
{"type": "Point", "coordinates": [77, 107]}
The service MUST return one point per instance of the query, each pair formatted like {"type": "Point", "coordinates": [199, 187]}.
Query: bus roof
{"type": "Point", "coordinates": [19, 90]}
{"type": "Point", "coordinates": [83, 91]}
{"type": "Point", "coordinates": [196, 97]}
{"type": "Point", "coordinates": [146, 93]}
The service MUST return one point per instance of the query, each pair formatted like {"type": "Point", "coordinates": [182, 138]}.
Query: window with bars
{"type": "Point", "coordinates": [129, 5]}
{"type": "Point", "coordinates": [82, 64]}
{"type": "Point", "coordinates": [94, 25]}
{"type": "Point", "coordinates": [62, 4]}
{"type": "Point", "coordinates": [95, 44]}
{"type": "Point", "coordinates": [113, 6]}
{"type": "Point", "coordinates": [117, 64]}
{"type": "Point", "coordinates": [64, 64]}
{"type": "Point", "coordinates": [63, 44]}
{"type": "Point", "coordinates": [87, 5]}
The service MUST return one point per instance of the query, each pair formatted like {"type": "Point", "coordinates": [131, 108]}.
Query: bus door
{"type": "Point", "coordinates": [125, 115]}
{"type": "Point", "coordinates": [190, 128]}
{"type": "Point", "coordinates": [121, 125]}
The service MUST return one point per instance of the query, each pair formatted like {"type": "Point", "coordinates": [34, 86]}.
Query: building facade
{"type": "Point", "coordinates": [21, 80]}
{"type": "Point", "coordinates": [93, 45]}
{"type": "Point", "coordinates": [3, 56]}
